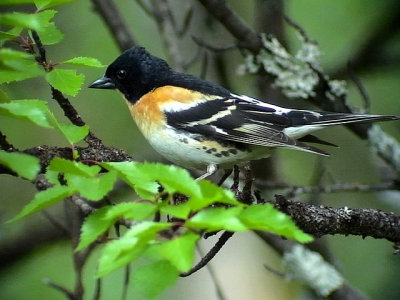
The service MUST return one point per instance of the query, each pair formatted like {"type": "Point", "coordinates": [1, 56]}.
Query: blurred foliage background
{"type": "Point", "coordinates": [343, 29]}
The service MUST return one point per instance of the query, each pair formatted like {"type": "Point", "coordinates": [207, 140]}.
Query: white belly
{"type": "Point", "coordinates": [191, 152]}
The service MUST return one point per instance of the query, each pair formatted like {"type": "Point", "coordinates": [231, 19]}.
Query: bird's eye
{"type": "Point", "coordinates": [121, 74]}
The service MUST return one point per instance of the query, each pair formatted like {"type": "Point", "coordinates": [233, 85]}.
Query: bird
{"type": "Point", "coordinates": [198, 124]}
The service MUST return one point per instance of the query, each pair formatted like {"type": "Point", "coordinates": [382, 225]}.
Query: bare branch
{"type": "Point", "coordinates": [321, 220]}
{"type": "Point", "coordinates": [282, 246]}
{"type": "Point", "coordinates": [244, 34]}
{"type": "Point", "coordinates": [166, 25]}
{"type": "Point", "coordinates": [115, 24]}
{"type": "Point", "coordinates": [5, 145]}
{"type": "Point", "coordinates": [210, 255]}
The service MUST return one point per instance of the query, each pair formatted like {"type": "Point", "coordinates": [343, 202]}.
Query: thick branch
{"type": "Point", "coordinates": [335, 102]}
{"type": "Point", "coordinates": [114, 21]}
{"type": "Point", "coordinates": [247, 37]}
{"type": "Point", "coordinates": [321, 220]}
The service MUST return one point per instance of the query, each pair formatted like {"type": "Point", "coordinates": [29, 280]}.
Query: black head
{"type": "Point", "coordinates": [134, 73]}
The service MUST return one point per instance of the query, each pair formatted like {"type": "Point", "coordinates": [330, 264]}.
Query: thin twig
{"type": "Point", "coordinates": [363, 92]}
{"type": "Point", "coordinates": [97, 289]}
{"type": "Point", "coordinates": [127, 277]}
{"type": "Point", "coordinates": [210, 255]}
{"type": "Point", "coordinates": [213, 275]}
{"type": "Point", "coordinates": [60, 288]}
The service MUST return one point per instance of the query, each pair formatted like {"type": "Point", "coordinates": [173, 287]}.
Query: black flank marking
{"type": "Point", "coordinates": [233, 151]}
{"type": "Point", "coordinates": [225, 153]}
{"type": "Point", "coordinates": [218, 154]}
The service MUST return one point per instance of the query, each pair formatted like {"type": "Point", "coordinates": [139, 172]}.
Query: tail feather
{"type": "Point", "coordinates": [327, 119]}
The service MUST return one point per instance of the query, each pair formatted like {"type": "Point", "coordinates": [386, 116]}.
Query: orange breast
{"type": "Point", "coordinates": [147, 111]}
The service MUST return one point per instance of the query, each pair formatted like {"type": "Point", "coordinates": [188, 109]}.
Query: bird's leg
{"type": "Point", "coordinates": [211, 169]}
{"type": "Point", "coordinates": [227, 173]}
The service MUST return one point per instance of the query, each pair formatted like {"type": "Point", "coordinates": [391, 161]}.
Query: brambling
{"type": "Point", "coordinates": [198, 124]}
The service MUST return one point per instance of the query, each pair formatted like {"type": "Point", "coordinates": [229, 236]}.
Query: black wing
{"type": "Point", "coordinates": [238, 119]}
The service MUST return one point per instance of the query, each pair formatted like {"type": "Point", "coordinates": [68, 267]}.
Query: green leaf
{"type": "Point", "coordinates": [32, 110]}
{"type": "Point", "coordinates": [266, 217]}
{"type": "Point", "coordinates": [45, 4]}
{"type": "Point", "coordinates": [72, 132]}
{"type": "Point", "coordinates": [150, 280]}
{"type": "Point", "coordinates": [24, 20]}
{"type": "Point", "coordinates": [98, 222]}
{"type": "Point", "coordinates": [66, 81]}
{"type": "Point", "coordinates": [95, 225]}
{"type": "Point", "coordinates": [17, 65]}
{"type": "Point", "coordinates": [95, 188]}
{"type": "Point", "coordinates": [145, 187]}
{"type": "Point", "coordinates": [23, 164]}
{"type": "Point", "coordinates": [172, 178]}
{"type": "Point", "coordinates": [84, 61]}
{"type": "Point", "coordinates": [131, 210]}
{"type": "Point", "coordinates": [180, 251]}
{"type": "Point", "coordinates": [219, 218]}
{"type": "Point", "coordinates": [62, 165]}
{"type": "Point", "coordinates": [44, 199]}
{"type": "Point", "coordinates": [210, 194]}
{"type": "Point", "coordinates": [15, 2]}
{"type": "Point", "coordinates": [180, 211]}
{"type": "Point", "coordinates": [50, 34]}
{"type": "Point", "coordinates": [129, 247]}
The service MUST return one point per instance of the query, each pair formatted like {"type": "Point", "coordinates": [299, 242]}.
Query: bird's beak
{"type": "Point", "coordinates": [103, 83]}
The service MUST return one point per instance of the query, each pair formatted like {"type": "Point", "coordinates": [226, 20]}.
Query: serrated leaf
{"type": "Point", "coordinates": [219, 218]}
{"type": "Point", "coordinates": [44, 199]}
{"type": "Point", "coordinates": [24, 20]}
{"type": "Point", "coordinates": [66, 166]}
{"type": "Point", "coordinates": [180, 211]}
{"type": "Point", "coordinates": [17, 65]}
{"type": "Point", "coordinates": [95, 188]}
{"type": "Point", "coordinates": [210, 194]}
{"type": "Point", "coordinates": [93, 226]}
{"type": "Point", "coordinates": [266, 217]}
{"type": "Point", "coordinates": [23, 164]}
{"type": "Point", "coordinates": [145, 187]}
{"type": "Point", "coordinates": [129, 247]}
{"type": "Point", "coordinates": [50, 34]}
{"type": "Point", "coordinates": [84, 61]}
{"type": "Point", "coordinates": [180, 251]}
{"type": "Point", "coordinates": [73, 133]}
{"type": "Point", "coordinates": [33, 110]}
{"type": "Point", "coordinates": [131, 210]}
{"type": "Point", "coordinates": [66, 81]}
{"type": "Point", "coordinates": [45, 4]}
{"type": "Point", "coordinates": [172, 178]}
{"type": "Point", "coordinates": [150, 280]}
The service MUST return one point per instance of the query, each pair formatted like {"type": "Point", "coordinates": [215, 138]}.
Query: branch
{"type": "Point", "coordinates": [321, 220]}
{"type": "Point", "coordinates": [210, 255]}
{"type": "Point", "coordinates": [5, 145]}
{"type": "Point", "coordinates": [115, 24]}
{"type": "Point", "coordinates": [247, 38]}
{"type": "Point", "coordinates": [165, 23]}
{"type": "Point", "coordinates": [341, 291]}
{"type": "Point", "coordinates": [325, 93]}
